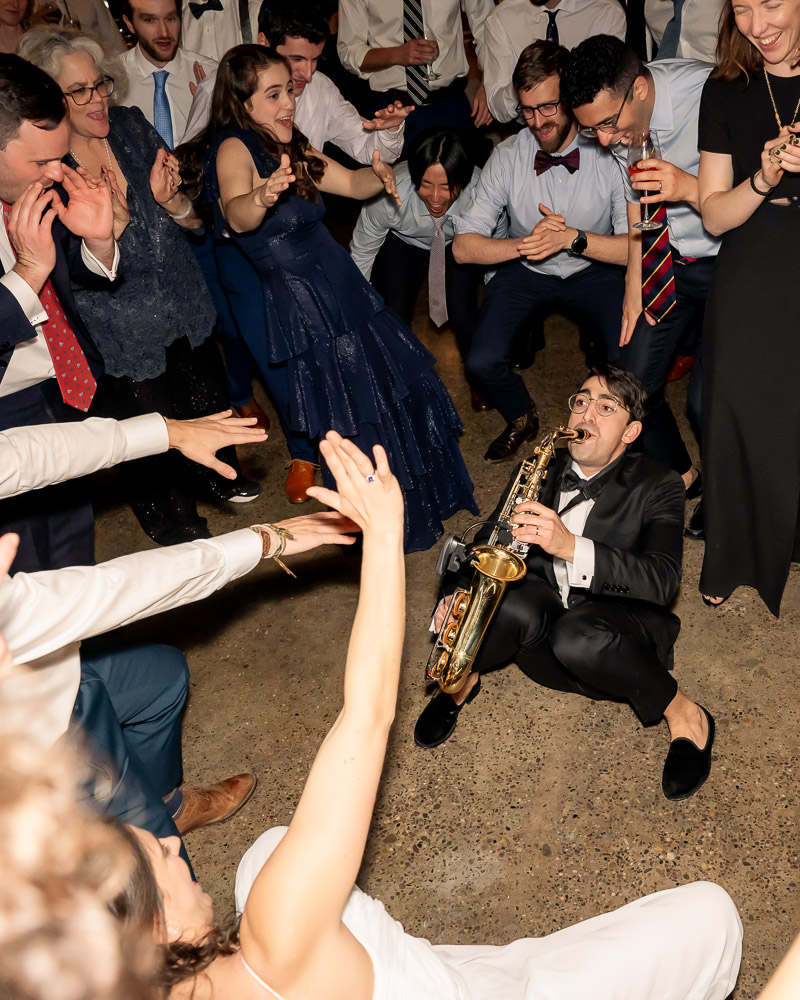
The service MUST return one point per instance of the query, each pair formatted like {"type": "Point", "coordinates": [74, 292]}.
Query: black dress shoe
{"type": "Point", "coordinates": [439, 717]}
{"type": "Point", "coordinates": [687, 766]}
{"type": "Point", "coordinates": [696, 527]}
{"type": "Point", "coordinates": [507, 444]}
{"type": "Point", "coordinates": [696, 489]}
{"type": "Point", "coordinates": [478, 403]}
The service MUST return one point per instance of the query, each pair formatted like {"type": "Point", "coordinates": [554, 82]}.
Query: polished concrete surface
{"type": "Point", "coordinates": [544, 808]}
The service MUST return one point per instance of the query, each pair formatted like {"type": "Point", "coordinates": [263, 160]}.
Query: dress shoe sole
{"type": "Point", "coordinates": [245, 499]}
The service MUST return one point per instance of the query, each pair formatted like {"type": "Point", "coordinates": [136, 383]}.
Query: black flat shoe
{"type": "Point", "coordinates": [696, 489]}
{"type": "Point", "coordinates": [696, 527]}
{"type": "Point", "coordinates": [439, 717]}
{"type": "Point", "coordinates": [687, 766]}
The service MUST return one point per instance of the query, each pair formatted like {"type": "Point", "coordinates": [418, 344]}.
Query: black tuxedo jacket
{"type": "Point", "coordinates": [15, 327]}
{"type": "Point", "coordinates": [636, 525]}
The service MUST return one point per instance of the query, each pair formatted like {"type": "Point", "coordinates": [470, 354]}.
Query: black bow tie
{"type": "Point", "coordinates": [587, 489]}
{"type": "Point", "coordinates": [198, 9]}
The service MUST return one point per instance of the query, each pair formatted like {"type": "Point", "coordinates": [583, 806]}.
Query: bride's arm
{"type": "Point", "coordinates": [244, 196]}
{"type": "Point", "coordinates": [297, 899]}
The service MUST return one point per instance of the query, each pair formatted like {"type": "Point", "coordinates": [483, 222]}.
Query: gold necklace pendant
{"type": "Point", "coordinates": [775, 106]}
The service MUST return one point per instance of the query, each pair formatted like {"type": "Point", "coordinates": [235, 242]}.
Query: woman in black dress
{"type": "Point", "coordinates": [750, 195]}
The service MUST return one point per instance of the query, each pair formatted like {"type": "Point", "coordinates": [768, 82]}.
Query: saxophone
{"type": "Point", "coordinates": [496, 565]}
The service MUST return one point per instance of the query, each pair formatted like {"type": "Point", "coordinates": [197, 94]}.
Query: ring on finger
{"type": "Point", "coordinates": [370, 478]}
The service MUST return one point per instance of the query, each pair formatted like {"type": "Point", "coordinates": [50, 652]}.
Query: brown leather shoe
{"type": "Point", "coordinates": [298, 479]}
{"type": "Point", "coordinates": [252, 409]}
{"type": "Point", "coordinates": [516, 433]}
{"type": "Point", "coordinates": [204, 806]}
{"type": "Point", "coordinates": [680, 366]}
{"type": "Point", "coordinates": [478, 403]}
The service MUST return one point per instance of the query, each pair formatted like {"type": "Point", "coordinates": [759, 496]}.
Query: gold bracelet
{"type": "Point", "coordinates": [280, 535]}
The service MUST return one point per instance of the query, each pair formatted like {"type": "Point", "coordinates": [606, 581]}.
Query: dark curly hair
{"type": "Point", "coordinates": [237, 79]}
{"type": "Point", "coordinates": [601, 62]}
{"type": "Point", "coordinates": [277, 22]}
{"type": "Point", "coordinates": [627, 387]}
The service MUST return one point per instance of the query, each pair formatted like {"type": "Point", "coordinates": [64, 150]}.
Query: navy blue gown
{"type": "Point", "coordinates": [352, 366]}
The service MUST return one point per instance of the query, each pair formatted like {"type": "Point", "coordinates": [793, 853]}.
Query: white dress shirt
{"type": "Point", "coordinates": [411, 221]}
{"type": "Point", "coordinates": [580, 572]}
{"type": "Point", "coordinates": [216, 31]}
{"type": "Point", "coordinates": [141, 86]}
{"type": "Point", "coordinates": [30, 361]}
{"type": "Point", "coordinates": [679, 85]}
{"type": "Point", "coordinates": [369, 24]}
{"type": "Point", "coordinates": [514, 24]}
{"type": "Point", "coordinates": [592, 199]}
{"type": "Point", "coordinates": [699, 26]}
{"type": "Point", "coordinates": [321, 114]}
{"type": "Point", "coordinates": [44, 616]}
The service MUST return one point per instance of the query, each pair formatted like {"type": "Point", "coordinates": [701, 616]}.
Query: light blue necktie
{"type": "Point", "coordinates": [668, 49]}
{"type": "Point", "coordinates": [162, 117]}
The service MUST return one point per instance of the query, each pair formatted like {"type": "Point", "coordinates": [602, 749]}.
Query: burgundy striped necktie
{"type": "Point", "coordinates": [658, 275]}
{"type": "Point", "coordinates": [75, 378]}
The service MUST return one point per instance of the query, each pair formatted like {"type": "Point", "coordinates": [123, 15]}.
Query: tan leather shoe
{"type": "Point", "coordinates": [204, 806]}
{"type": "Point", "coordinates": [298, 479]}
{"type": "Point", "coordinates": [252, 409]}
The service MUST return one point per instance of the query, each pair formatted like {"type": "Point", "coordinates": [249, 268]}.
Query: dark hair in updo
{"type": "Point", "coordinates": [237, 80]}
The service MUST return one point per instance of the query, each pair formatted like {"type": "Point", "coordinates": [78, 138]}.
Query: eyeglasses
{"type": "Point", "coordinates": [610, 128]}
{"type": "Point", "coordinates": [546, 110]}
{"type": "Point", "coordinates": [606, 406]}
{"type": "Point", "coordinates": [83, 95]}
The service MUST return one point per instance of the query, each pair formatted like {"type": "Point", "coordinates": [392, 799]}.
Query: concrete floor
{"type": "Point", "coordinates": [544, 808]}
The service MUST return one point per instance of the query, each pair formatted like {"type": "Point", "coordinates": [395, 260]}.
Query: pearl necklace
{"type": "Point", "coordinates": [80, 163]}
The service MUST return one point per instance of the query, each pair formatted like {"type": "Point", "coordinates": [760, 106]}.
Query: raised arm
{"type": "Point", "coordinates": [358, 184]}
{"type": "Point", "coordinates": [244, 196]}
{"type": "Point", "coordinates": [292, 918]}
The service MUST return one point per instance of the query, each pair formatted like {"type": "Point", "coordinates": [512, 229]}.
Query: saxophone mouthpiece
{"type": "Point", "coordinates": [581, 435]}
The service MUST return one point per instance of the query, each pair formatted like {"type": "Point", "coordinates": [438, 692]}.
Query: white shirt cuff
{"type": "Point", "coordinates": [26, 297]}
{"type": "Point", "coordinates": [580, 572]}
{"type": "Point", "coordinates": [144, 435]}
{"type": "Point", "coordinates": [98, 267]}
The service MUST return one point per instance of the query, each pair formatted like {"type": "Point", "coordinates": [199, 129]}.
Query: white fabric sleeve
{"type": "Point", "coordinates": [200, 111]}
{"type": "Point", "coordinates": [41, 613]}
{"type": "Point", "coordinates": [346, 130]}
{"type": "Point", "coordinates": [98, 267]}
{"type": "Point", "coordinates": [499, 63]}
{"type": "Point", "coordinates": [369, 235]}
{"type": "Point", "coordinates": [352, 40]}
{"type": "Point", "coordinates": [619, 205]}
{"type": "Point", "coordinates": [26, 297]}
{"type": "Point", "coordinates": [477, 12]}
{"type": "Point", "coordinates": [40, 455]}
{"type": "Point", "coordinates": [580, 572]}
{"type": "Point", "coordinates": [489, 199]}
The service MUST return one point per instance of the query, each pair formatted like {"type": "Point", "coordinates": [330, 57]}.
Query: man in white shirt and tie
{"type": "Point", "coordinates": [514, 24]}
{"type": "Point", "coordinates": [683, 29]}
{"type": "Point", "coordinates": [161, 73]}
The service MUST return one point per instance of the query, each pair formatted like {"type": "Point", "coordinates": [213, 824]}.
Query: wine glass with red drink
{"type": "Point", "coordinates": [643, 146]}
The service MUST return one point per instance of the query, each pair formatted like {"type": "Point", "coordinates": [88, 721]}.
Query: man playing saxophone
{"type": "Point", "coordinates": [591, 614]}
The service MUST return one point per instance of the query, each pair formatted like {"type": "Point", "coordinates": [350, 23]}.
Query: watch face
{"type": "Point", "coordinates": [580, 243]}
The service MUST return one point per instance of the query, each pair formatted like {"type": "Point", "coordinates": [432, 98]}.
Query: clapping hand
{"type": "Point", "coordinates": [781, 155]}
{"type": "Point", "coordinates": [88, 213]}
{"type": "Point", "coordinates": [199, 76]}
{"type": "Point", "coordinates": [165, 177]}
{"type": "Point", "coordinates": [547, 237]}
{"type": "Point", "coordinates": [119, 203]}
{"type": "Point", "coordinates": [274, 186]}
{"type": "Point", "coordinates": [385, 174]}
{"type": "Point", "coordinates": [368, 495]}
{"type": "Point", "coordinates": [30, 226]}
{"type": "Point", "coordinates": [391, 117]}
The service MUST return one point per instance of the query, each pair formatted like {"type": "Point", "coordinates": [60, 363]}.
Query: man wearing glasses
{"type": "Point", "coordinates": [567, 229]}
{"type": "Point", "coordinates": [616, 98]}
{"type": "Point", "coordinates": [590, 616]}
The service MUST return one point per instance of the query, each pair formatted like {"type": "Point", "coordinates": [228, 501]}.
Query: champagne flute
{"type": "Point", "coordinates": [643, 146]}
{"type": "Point", "coordinates": [430, 75]}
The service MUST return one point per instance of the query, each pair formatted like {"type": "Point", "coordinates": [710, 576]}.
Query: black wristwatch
{"type": "Point", "coordinates": [579, 244]}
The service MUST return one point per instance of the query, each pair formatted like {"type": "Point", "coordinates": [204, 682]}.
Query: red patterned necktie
{"type": "Point", "coordinates": [75, 379]}
{"type": "Point", "coordinates": [658, 275]}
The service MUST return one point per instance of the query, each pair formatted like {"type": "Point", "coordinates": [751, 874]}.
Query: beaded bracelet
{"type": "Point", "coordinates": [274, 534]}
{"type": "Point", "coordinates": [753, 185]}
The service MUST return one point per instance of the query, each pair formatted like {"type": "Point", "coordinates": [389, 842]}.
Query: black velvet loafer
{"type": "Point", "coordinates": [438, 719]}
{"type": "Point", "coordinates": [696, 528]}
{"type": "Point", "coordinates": [687, 766]}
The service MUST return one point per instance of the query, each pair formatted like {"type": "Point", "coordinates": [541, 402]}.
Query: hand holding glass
{"type": "Point", "coordinates": [643, 146]}
{"type": "Point", "coordinates": [430, 75]}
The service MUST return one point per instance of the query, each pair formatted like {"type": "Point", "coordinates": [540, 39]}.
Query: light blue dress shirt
{"type": "Point", "coordinates": [592, 199]}
{"type": "Point", "coordinates": [411, 221]}
{"type": "Point", "coordinates": [678, 85]}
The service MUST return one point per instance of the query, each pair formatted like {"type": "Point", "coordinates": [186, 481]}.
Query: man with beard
{"type": "Point", "coordinates": [567, 236]}
{"type": "Point", "coordinates": [161, 74]}
{"type": "Point", "coordinates": [513, 24]}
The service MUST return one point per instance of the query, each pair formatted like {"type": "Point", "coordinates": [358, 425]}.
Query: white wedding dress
{"type": "Point", "coordinates": [680, 944]}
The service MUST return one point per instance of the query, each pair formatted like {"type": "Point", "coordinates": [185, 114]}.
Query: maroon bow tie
{"type": "Point", "coordinates": [543, 161]}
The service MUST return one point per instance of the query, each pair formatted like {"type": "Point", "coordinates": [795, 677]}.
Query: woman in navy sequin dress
{"type": "Point", "coordinates": [350, 364]}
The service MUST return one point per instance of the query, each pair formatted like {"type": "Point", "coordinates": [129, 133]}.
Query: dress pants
{"type": "Point", "coordinates": [128, 715]}
{"type": "Point", "coordinates": [650, 353]}
{"type": "Point", "coordinates": [399, 271]}
{"type": "Point", "coordinates": [55, 525]}
{"type": "Point", "coordinates": [678, 944]}
{"type": "Point", "coordinates": [514, 298]}
{"type": "Point", "coordinates": [605, 649]}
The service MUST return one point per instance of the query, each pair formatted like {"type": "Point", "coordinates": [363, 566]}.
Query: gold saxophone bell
{"type": "Point", "coordinates": [471, 611]}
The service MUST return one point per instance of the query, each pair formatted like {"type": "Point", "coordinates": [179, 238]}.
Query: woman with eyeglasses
{"type": "Point", "coordinates": [153, 328]}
